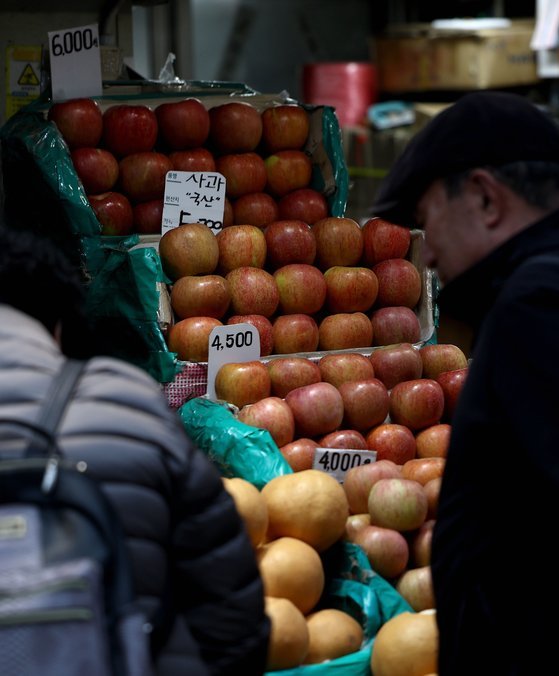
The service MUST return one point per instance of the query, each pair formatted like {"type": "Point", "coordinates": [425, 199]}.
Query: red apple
{"type": "Point", "coordinates": [189, 338]}
{"type": "Point", "coordinates": [79, 121]}
{"type": "Point", "coordinates": [253, 291]}
{"type": "Point", "coordinates": [317, 409]}
{"type": "Point", "coordinates": [200, 295]}
{"type": "Point", "coordinates": [423, 470]}
{"type": "Point", "coordinates": [420, 543]}
{"type": "Point", "coordinates": [344, 438]}
{"type": "Point", "coordinates": [272, 414]}
{"type": "Point", "coordinates": [433, 489]}
{"type": "Point", "coordinates": [183, 124]}
{"type": "Point", "coordinates": [359, 480]}
{"type": "Point", "coordinates": [244, 173]}
{"type": "Point", "coordinates": [129, 129]}
{"type": "Point", "coordinates": [289, 242]}
{"type": "Point", "coordinates": [235, 127]}
{"type": "Point", "coordinates": [284, 127]}
{"type": "Point", "coordinates": [366, 403]}
{"type": "Point", "coordinates": [339, 241]}
{"type": "Point", "coordinates": [300, 453]}
{"type": "Point", "coordinates": [386, 549]}
{"type": "Point", "coordinates": [241, 246]}
{"type": "Point", "coordinates": [392, 442]}
{"type": "Point", "coordinates": [399, 283]}
{"type": "Point", "coordinates": [305, 204]}
{"type": "Point", "coordinates": [148, 217]}
{"type": "Point", "coordinates": [96, 168]}
{"type": "Point", "coordinates": [242, 383]}
{"type": "Point", "coordinates": [432, 442]}
{"type": "Point", "coordinates": [440, 357]}
{"type": "Point", "coordinates": [398, 503]}
{"type": "Point", "coordinates": [416, 403]}
{"type": "Point", "coordinates": [255, 208]}
{"type": "Point", "coordinates": [395, 363]}
{"type": "Point", "coordinates": [345, 330]}
{"type": "Point", "coordinates": [295, 333]}
{"type": "Point", "coordinates": [288, 373]}
{"type": "Point", "coordinates": [302, 289]}
{"type": "Point", "coordinates": [383, 240]}
{"type": "Point", "coordinates": [263, 326]}
{"type": "Point", "coordinates": [350, 288]}
{"type": "Point", "coordinates": [398, 324]}
{"type": "Point", "coordinates": [142, 175]}
{"type": "Point", "coordinates": [451, 383]}
{"type": "Point", "coordinates": [354, 523]}
{"type": "Point", "coordinates": [287, 170]}
{"type": "Point", "coordinates": [114, 213]}
{"type": "Point", "coordinates": [344, 367]}
{"type": "Point", "coordinates": [193, 159]}
{"type": "Point", "coordinates": [188, 249]}
{"type": "Point", "coordinates": [228, 213]}
{"type": "Point", "coordinates": [416, 586]}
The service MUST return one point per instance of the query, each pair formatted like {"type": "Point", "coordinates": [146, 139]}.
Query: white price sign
{"type": "Point", "coordinates": [75, 62]}
{"type": "Point", "coordinates": [337, 461]}
{"type": "Point", "coordinates": [230, 344]}
{"type": "Point", "coordinates": [193, 197]}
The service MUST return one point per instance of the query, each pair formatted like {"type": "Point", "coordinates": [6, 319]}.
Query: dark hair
{"type": "Point", "coordinates": [535, 182]}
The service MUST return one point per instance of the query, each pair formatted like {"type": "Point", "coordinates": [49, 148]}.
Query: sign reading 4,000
{"type": "Point", "coordinates": [72, 41]}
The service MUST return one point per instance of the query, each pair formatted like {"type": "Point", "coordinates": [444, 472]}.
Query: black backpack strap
{"type": "Point", "coordinates": [57, 399]}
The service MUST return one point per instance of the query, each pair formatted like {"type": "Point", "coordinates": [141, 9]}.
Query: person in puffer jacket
{"type": "Point", "coordinates": [194, 567]}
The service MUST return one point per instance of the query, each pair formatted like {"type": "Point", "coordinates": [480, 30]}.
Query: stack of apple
{"type": "Point", "coordinates": [332, 285]}
{"type": "Point", "coordinates": [122, 156]}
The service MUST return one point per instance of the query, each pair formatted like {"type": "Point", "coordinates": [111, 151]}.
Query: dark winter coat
{"type": "Point", "coordinates": [181, 525]}
{"type": "Point", "coordinates": [494, 558]}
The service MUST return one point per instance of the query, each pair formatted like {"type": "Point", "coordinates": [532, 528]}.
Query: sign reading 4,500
{"type": "Point", "coordinates": [72, 41]}
{"type": "Point", "coordinates": [240, 339]}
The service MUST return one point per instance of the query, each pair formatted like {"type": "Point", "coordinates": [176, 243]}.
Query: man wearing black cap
{"type": "Point", "coordinates": [482, 180]}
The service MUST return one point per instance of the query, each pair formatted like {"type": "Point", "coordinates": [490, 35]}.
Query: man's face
{"type": "Point", "coordinates": [453, 230]}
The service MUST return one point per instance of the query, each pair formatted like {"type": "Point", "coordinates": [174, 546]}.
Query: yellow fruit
{"type": "Point", "coordinates": [291, 569]}
{"type": "Point", "coordinates": [309, 505]}
{"type": "Point", "coordinates": [406, 645]}
{"type": "Point", "coordinates": [289, 635]}
{"type": "Point", "coordinates": [251, 506]}
{"type": "Point", "coordinates": [332, 633]}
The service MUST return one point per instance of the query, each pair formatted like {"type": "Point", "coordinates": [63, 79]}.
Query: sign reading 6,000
{"type": "Point", "coordinates": [72, 41]}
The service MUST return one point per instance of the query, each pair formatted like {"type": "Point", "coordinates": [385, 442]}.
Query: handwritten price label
{"type": "Point", "coordinates": [75, 63]}
{"type": "Point", "coordinates": [337, 461]}
{"type": "Point", "coordinates": [193, 197]}
{"type": "Point", "coordinates": [230, 344]}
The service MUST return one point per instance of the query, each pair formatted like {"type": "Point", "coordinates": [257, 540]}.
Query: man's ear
{"type": "Point", "coordinates": [490, 195]}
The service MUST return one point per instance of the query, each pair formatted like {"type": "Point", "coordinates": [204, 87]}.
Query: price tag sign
{"type": "Point", "coordinates": [337, 461]}
{"type": "Point", "coordinates": [230, 344]}
{"type": "Point", "coordinates": [193, 197]}
{"type": "Point", "coordinates": [75, 63]}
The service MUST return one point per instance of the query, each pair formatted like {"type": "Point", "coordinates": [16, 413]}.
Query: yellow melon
{"type": "Point", "coordinates": [251, 507]}
{"type": "Point", "coordinates": [292, 569]}
{"type": "Point", "coordinates": [289, 635]}
{"type": "Point", "coordinates": [309, 505]}
{"type": "Point", "coordinates": [332, 633]}
{"type": "Point", "coordinates": [406, 645]}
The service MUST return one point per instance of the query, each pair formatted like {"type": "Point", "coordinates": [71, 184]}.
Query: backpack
{"type": "Point", "coordinates": [67, 604]}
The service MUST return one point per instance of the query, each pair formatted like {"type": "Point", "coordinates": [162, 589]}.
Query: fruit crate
{"type": "Point", "coordinates": [191, 380]}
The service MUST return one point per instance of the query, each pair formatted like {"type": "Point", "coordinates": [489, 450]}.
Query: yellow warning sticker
{"type": "Point", "coordinates": [23, 80]}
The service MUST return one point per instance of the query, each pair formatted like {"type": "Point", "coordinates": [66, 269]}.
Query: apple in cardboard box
{"type": "Point", "coordinates": [79, 121]}
{"type": "Point", "coordinates": [416, 403]}
{"type": "Point", "coordinates": [235, 127]}
{"type": "Point", "coordinates": [397, 503]}
{"type": "Point", "coordinates": [129, 129]}
{"type": "Point", "coordinates": [272, 414]}
{"type": "Point", "coordinates": [440, 357]}
{"type": "Point", "coordinates": [383, 240]}
{"type": "Point", "coordinates": [264, 327]}
{"type": "Point", "coordinates": [317, 408]}
{"type": "Point", "coordinates": [386, 549]}
{"type": "Point", "coordinates": [240, 246]}
{"type": "Point", "coordinates": [366, 403]}
{"type": "Point", "coordinates": [395, 324]}
{"type": "Point", "coordinates": [395, 363]}
{"type": "Point", "coordinates": [399, 283]}
{"type": "Point", "coordinates": [255, 208]}
{"type": "Point", "coordinates": [294, 333]}
{"type": "Point", "coordinates": [289, 241]}
{"type": "Point", "coordinates": [200, 295]}
{"type": "Point", "coordinates": [142, 175]}
{"type": "Point", "coordinates": [244, 173]}
{"type": "Point", "coordinates": [114, 212]}
{"type": "Point", "coordinates": [343, 367]}
{"type": "Point", "coordinates": [183, 124]}
{"type": "Point", "coordinates": [288, 373]}
{"type": "Point", "coordinates": [433, 441]}
{"type": "Point", "coordinates": [189, 338]}
{"type": "Point", "coordinates": [350, 288]}
{"type": "Point", "coordinates": [345, 439]}
{"type": "Point", "coordinates": [193, 159]}
{"type": "Point", "coordinates": [287, 170]}
{"type": "Point", "coordinates": [359, 480]}
{"type": "Point", "coordinates": [339, 241]}
{"type": "Point", "coordinates": [304, 204]}
{"type": "Point", "coordinates": [451, 383]}
{"type": "Point", "coordinates": [148, 217]}
{"type": "Point", "coordinates": [345, 330]}
{"type": "Point", "coordinates": [242, 383]}
{"type": "Point", "coordinates": [284, 127]}
{"type": "Point", "coordinates": [300, 453]}
{"type": "Point", "coordinates": [253, 291]}
{"type": "Point", "coordinates": [302, 288]}
{"type": "Point", "coordinates": [188, 249]}
{"type": "Point", "coordinates": [392, 442]}
{"type": "Point", "coordinates": [96, 168]}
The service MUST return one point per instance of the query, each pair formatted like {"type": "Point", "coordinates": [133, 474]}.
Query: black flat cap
{"type": "Point", "coordinates": [481, 129]}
